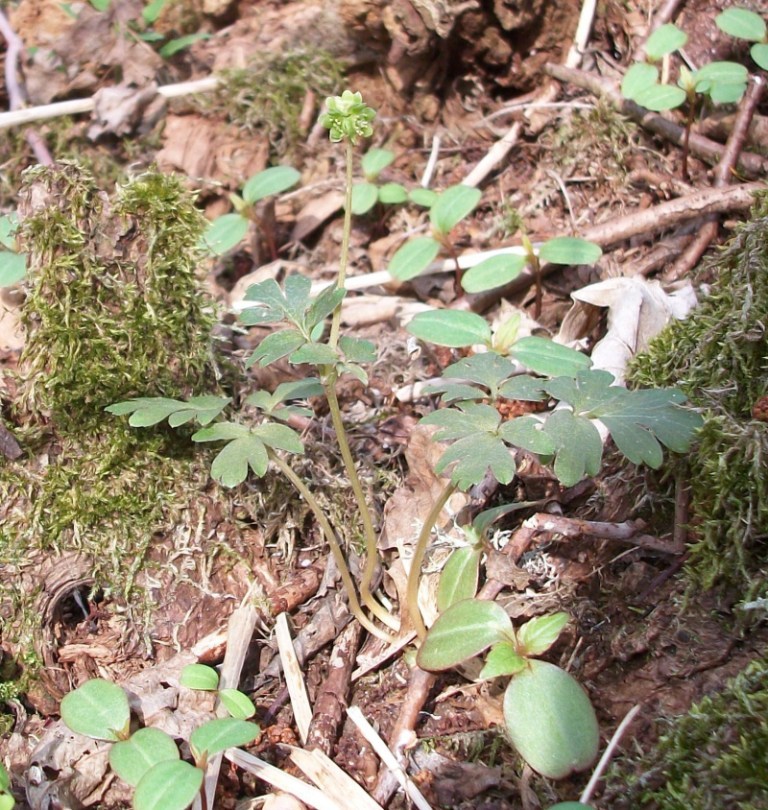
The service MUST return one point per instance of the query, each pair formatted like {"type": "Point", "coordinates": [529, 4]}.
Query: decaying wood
{"type": "Point", "coordinates": [331, 700]}
{"type": "Point", "coordinates": [709, 151]}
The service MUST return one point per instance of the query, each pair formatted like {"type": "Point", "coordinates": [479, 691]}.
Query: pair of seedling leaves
{"type": "Point", "coordinates": [148, 759]}
{"type": "Point", "coordinates": [722, 82]}
{"type": "Point", "coordinates": [639, 421]}
{"type": "Point", "coordinates": [446, 210]}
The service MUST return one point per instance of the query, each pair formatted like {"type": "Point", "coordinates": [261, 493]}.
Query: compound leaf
{"type": "Point", "coordinates": [275, 346]}
{"type": "Point", "coordinates": [230, 467]}
{"type": "Point", "coordinates": [468, 419]}
{"type": "Point", "coordinates": [578, 447]}
{"type": "Point", "coordinates": [528, 432]}
{"type": "Point", "coordinates": [279, 437]}
{"type": "Point", "coordinates": [473, 456]}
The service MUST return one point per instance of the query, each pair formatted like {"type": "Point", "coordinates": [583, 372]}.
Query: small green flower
{"type": "Point", "coordinates": [348, 117]}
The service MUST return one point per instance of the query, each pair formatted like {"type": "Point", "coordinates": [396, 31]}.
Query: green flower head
{"type": "Point", "coordinates": [348, 117]}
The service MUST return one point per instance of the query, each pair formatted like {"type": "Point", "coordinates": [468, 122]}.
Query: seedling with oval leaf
{"type": "Point", "coordinates": [547, 714]}
{"type": "Point", "coordinates": [722, 82]}
{"type": "Point", "coordinates": [228, 230]}
{"type": "Point", "coordinates": [366, 193]}
{"type": "Point", "coordinates": [148, 759]}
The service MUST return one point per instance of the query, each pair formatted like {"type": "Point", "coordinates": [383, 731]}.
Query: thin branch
{"type": "Point", "coordinates": [704, 149]}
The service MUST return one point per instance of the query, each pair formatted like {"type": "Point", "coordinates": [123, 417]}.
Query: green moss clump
{"type": "Point", "coordinates": [719, 357]}
{"type": "Point", "coordinates": [268, 96]}
{"type": "Point", "coordinates": [115, 307]}
{"type": "Point", "coordinates": [712, 758]}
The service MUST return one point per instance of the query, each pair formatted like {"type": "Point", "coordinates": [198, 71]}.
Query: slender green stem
{"type": "Point", "coordinates": [338, 554]}
{"type": "Point", "coordinates": [369, 533]}
{"type": "Point", "coordinates": [414, 575]}
{"type": "Point", "coordinates": [341, 278]}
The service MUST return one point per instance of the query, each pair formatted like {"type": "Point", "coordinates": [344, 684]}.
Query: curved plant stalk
{"type": "Point", "coordinates": [341, 278]}
{"type": "Point", "coordinates": [338, 554]}
{"type": "Point", "coordinates": [414, 575]}
{"type": "Point", "coordinates": [371, 549]}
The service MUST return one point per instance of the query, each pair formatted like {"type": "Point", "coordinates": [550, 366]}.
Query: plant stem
{"type": "Point", "coordinates": [369, 533]}
{"type": "Point", "coordinates": [338, 554]}
{"type": "Point", "coordinates": [414, 575]}
{"type": "Point", "coordinates": [333, 339]}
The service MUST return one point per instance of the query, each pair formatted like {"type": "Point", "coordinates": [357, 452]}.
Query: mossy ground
{"type": "Point", "coordinates": [114, 309]}
{"type": "Point", "coordinates": [712, 758]}
{"type": "Point", "coordinates": [719, 357]}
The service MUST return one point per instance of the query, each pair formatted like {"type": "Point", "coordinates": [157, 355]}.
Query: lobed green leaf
{"type": "Point", "coordinates": [474, 456]}
{"type": "Point", "coordinates": [276, 346]}
{"type": "Point", "coordinates": [578, 447]}
{"type": "Point", "coordinates": [230, 467]}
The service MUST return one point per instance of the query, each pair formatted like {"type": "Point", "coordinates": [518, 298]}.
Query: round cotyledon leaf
{"type": "Point", "coordinates": [97, 709]}
{"type": "Point", "coordinates": [132, 759]}
{"type": "Point", "coordinates": [550, 720]}
{"type": "Point", "coordinates": [169, 785]}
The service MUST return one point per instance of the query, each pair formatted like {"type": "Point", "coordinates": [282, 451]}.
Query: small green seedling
{"type": "Point", "coordinates": [13, 265]}
{"type": "Point", "coordinates": [744, 24]}
{"type": "Point", "coordinates": [148, 760]}
{"type": "Point", "coordinates": [206, 679]}
{"type": "Point", "coordinates": [141, 27]}
{"type": "Point", "coordinates": [227, 231]}
{"type": "Point", "coordinates": [368, 192]}
{"type": "Point", "coordinates": [547, 714]}
{"type": "Point", "coordinates": [721, 82]}
{"type": "Point", "coordinates": [7, 802]}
